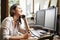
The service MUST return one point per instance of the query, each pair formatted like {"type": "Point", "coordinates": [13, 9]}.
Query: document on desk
{"type": "Point", "coordinates": [42, 31]}
{"type": "Point", "coordinates": [35, 33]}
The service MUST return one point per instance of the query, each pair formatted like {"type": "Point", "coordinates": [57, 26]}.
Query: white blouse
{"type": "Point", "coordinates": [9, 30]}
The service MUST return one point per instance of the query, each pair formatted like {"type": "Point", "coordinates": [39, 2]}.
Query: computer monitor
{"type": "Point", "coordinates": [46, 18]}
{"type": "Point", "coordinates": [39, 18]}
{"type": "Point", "coordinates": [51, 18]}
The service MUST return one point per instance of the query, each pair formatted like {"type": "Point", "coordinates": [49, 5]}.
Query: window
{"type": "Point", "coordinates": [10, 3]}
{"type": "Point", "coordinates": [26, 6]}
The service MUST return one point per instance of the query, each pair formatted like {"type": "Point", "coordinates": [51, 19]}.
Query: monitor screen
{"type": "Point", "coordinates": [39, 18]}
{"type": "Point", "coordinates": [50, 18]}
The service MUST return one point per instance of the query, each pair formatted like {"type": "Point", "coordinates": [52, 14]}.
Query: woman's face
{"type": "Point", "coordinates": [18, 10]}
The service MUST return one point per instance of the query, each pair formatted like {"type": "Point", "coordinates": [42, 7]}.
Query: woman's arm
{"type": "Point", "coordinates": [26, 24]}
{"type": "Point", "coordinates": [25, 36]}
{"type": "Point", "coordinates": [15, 37]}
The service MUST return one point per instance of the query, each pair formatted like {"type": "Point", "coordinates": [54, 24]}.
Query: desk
{"type": "Point", "coordinates": [45, 36]}
{"type": "Point", "coordinates": [50, 37]}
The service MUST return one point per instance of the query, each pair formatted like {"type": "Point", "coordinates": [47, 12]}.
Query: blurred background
{"type": "Point", "coordinates": [31, 8]}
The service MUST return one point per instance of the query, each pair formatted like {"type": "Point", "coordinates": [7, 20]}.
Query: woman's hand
{"type": "Point", "coordinates": [26, 36]}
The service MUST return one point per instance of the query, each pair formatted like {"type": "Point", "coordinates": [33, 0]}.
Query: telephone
{"type": "Point", "coordinates": [22, 16]}
{"type": "Point", "coordinates": [25, 21]}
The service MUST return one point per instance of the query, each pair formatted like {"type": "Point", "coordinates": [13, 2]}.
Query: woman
{"type": "Point", "coordinates": [11, 25]}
